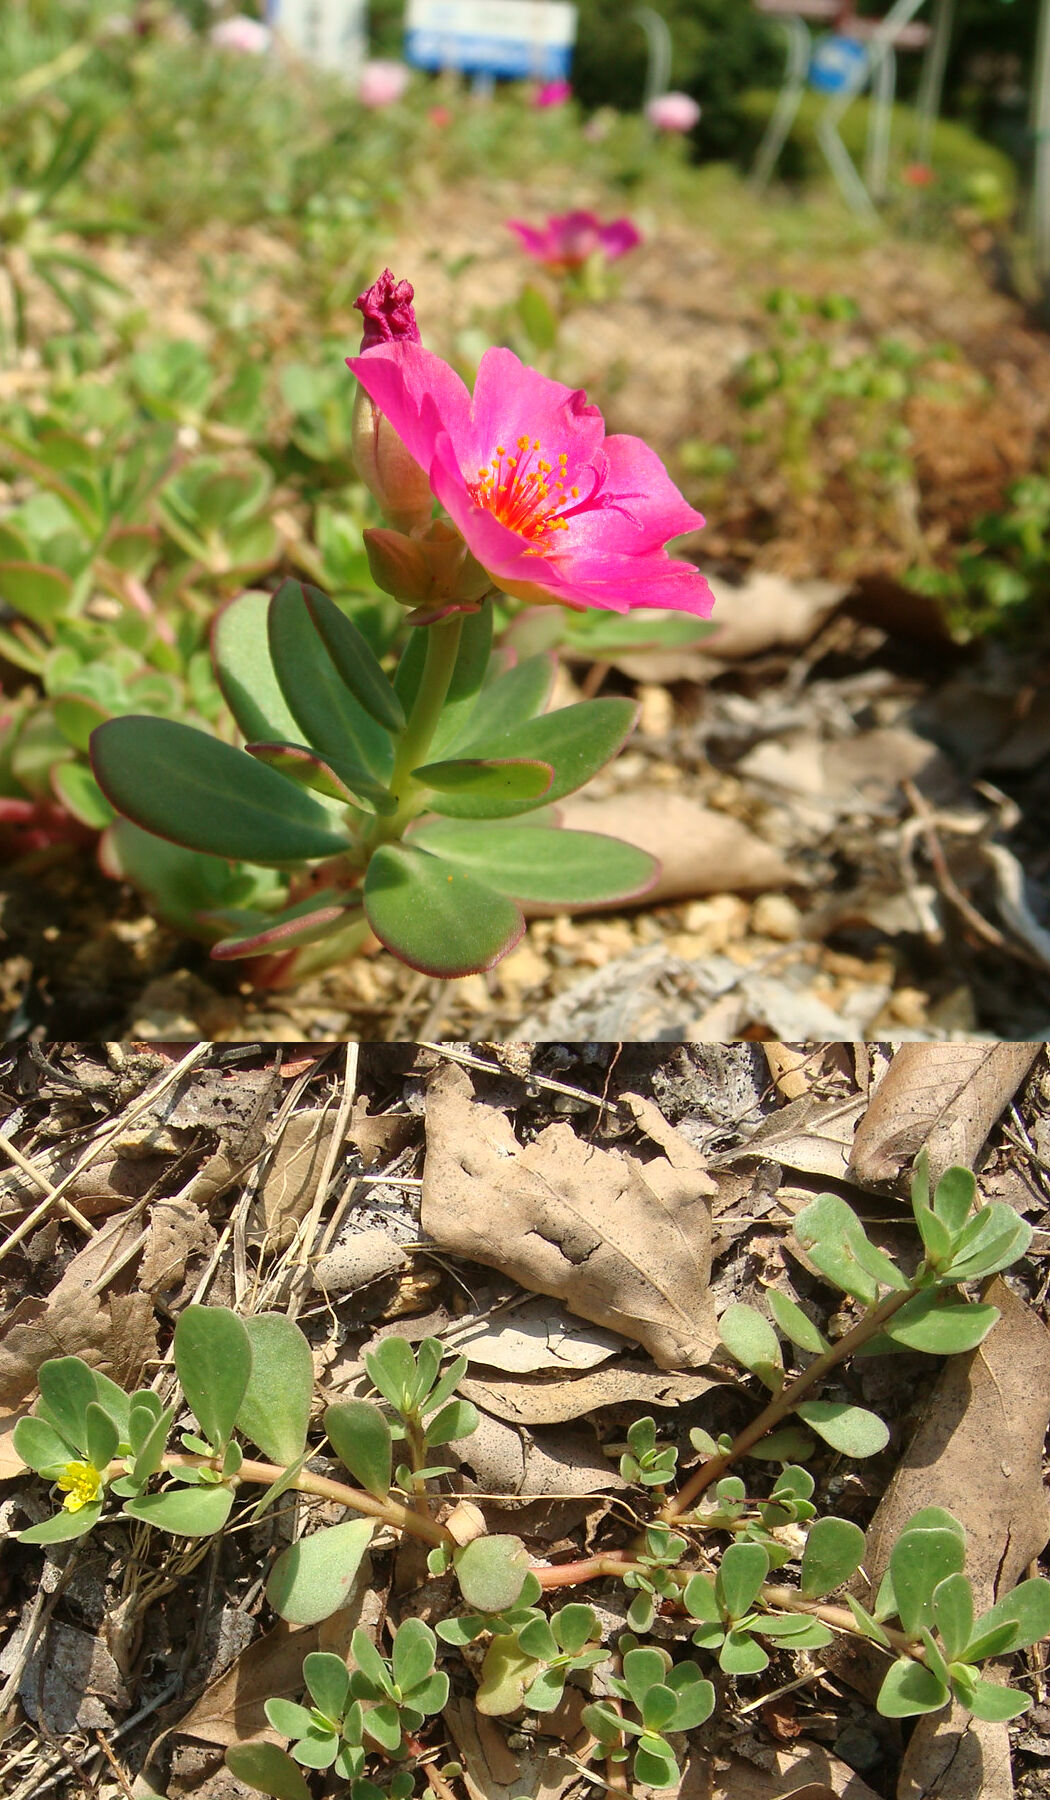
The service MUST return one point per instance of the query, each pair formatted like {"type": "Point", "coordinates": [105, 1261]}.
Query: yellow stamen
{"type": "Point", "coordinates": [520, 496]}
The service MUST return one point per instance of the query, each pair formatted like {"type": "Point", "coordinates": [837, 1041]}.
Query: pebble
{"type": "Point", "coordinates": [775, 916]}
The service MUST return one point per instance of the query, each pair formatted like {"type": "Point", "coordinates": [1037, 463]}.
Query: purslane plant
{"type": "Point", "coordinates": [390, 804]}
{"type": "Point", "coordinates": [367, 1718]}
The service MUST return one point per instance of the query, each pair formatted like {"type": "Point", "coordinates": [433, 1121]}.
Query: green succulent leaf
{"type": "Point", "coordinates": [392, 1370]}
{"type": "Point", "coordinates": [491, 1571]}
{"type": "Point", "coordinates": [743, 1569]}
{"type": "Point", "coordinates": [919, 1560]}
{"type": "Point", "coordinates": [183, 785]}
{"type": "Point", "coordinates": [788, 1444]}
{"type": "Point", "coordinates": [315, 1576]}
{"type": "Point", "coordinates": [62, 1526]}
{"type": "Point", "coordinates": [752, 1342]}
{"type": "Point", "coordinates": [834, 1549]}
{"type": "Point", "coordinates": [532, 862]}
{"type": "Point", "coordinates": [991, 1241]}
{"type": "Point", "coordinates": [40, 1446]}
{"type": "Point", "coordinates": [67, 1389]}
{"type": "Point", "coordinates": [953, 1614]}
{"type": "Point", "coordinates": [275, 1410]}
{"type": "Point", "coordinates": [910, 1688]}
{"type": "Point", "coordinates": [987, 1700]}
{"type": "Point", "coordinates": [576, 740]}
{"type": "Point", "coordinates": [544, 1694]}
{"type": "Point", "coordinates": [290, 1719]}
{"type": "Point", "coordinates": [940, 1326]}
{"type": "Point", "coordinates": [328, 1679]}
{"type": "Point", "coordinates": [868, 1626]}
{"type": "Point", "coordinates": [355, 660]}
{"type": "Point", "coordinates": [794, 1323]}
{"type": "Point", "coordinates": [852, 1430]}
{"type": "Point", "coordinates": [1026, 1609]}
{"type": "Point", "coordinates": [184, 1511]}
{"type": "Point", "coordinates": [506, 1672]}
{"type": "Point", "coordinates": [741, 1655]}
{"type": "Point", "coordinates": [832, 1236]}
{"type": "Point", "coordinates": [655, 1768]}
{"type": "Point", "coordinates": [413, 1654]}
{"type": "Point", "coordinates": [499, 779]}
{"type": "Point", "coordinates": [456, 1420]}
{"type": "Point", "coordinates": [327, 712]}
{"type": "Point", "coordinates": [435, 916]}
{"type": "Point", "coordinates": [953, 1198]}
{"type": "Point", "coordinates": [101, 1435]}
{"type": "Point", "coordinates": [241, 654]}
{"type": "Point", "coordinates": [268, 1769]}
{"type": "Point", "coordinates": [574, 1626]}
{"type": "Point", "coordinates": [360, 1437]}
{"type": "Point", "coordinates": [213, 1360]}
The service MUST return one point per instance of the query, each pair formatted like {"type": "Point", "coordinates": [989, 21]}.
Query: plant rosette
{"type": "Point", "coordinates": [413, 808]}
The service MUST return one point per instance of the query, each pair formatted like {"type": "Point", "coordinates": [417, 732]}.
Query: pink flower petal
{"type": "Point", "coordinates": [513, 401]}
{"type": "Point", "coordinates": [416, 391]}
{"type": "Point", "coordinates": [619, 237]}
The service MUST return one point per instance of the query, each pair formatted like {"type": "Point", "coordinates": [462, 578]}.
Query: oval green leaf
{"type": "Point", "coordinates": [196, 791]}
{"type": "Point", "coordinates": [491, 1571]}
{"type": "Point", "coordinates": [834, 1549]}
{"type": "Point", "coordinates": [919, 1560]}
{"type": "Point", "coordinates": [576, 740]}
{"type": "Point", "coordinates": [910, 1688]}
{"type": "Point", "coordinates": [268, 1769]}
{"type": "Point", "coordinates": [67, 1388]}
{"type": "Point", "coordinates": [850, 1429]}
{"type": "Point", "coordinates": [184, 1511]}
{"type": "Point", "coordinates": [532, 862]}
{"type": "Point", "coordinates": [314, 1577]}
{"type": "Point", "coordinates": [507, 778]}
{"type": "Point", "coordinates": [940, 1327]}
{"type": "Point", "coordinates": [355, 660]}
{"type": "Point", "coordinates": [752, 1342]}
{"type": "Point", "coordinates": [348, 738]}
{"type": "Point", "coordinates": [241, 654]}
{"type": "Point", "coordinates": [213, 1360]}
{"type": "Point", "coordinates": [275, 1410]}
{"type": "Point", "coordinates": [360, 1437]}
{"type": "Point", "coordinates": [435, 917]}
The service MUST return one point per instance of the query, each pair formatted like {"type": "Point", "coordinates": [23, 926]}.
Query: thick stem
{"type": "Point", "coordinates": [391, 1512]}
{"type": "Point", "coordinates": [442, 650]}
{"type": "Point", "coordinates": [785, 1401]}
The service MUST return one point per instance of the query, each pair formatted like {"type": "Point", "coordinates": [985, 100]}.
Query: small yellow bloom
{"type": "Point", "coordinates": [81, 1483]}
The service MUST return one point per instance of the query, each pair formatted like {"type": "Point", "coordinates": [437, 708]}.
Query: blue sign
{"type": "Point", "coordinates": [493, 56]}
{"type": "Point", "coordinates": [838, 65]}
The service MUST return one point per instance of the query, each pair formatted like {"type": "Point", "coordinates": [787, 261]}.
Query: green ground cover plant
{"type": "Point", "coordinates": [736, 1576]}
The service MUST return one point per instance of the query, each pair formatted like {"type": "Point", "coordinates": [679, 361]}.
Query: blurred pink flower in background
{"type": "Point", "coordinates": [241, 33]}
{"type": "Point", "coordinates": [918, 175]}
{"type": "Point", "coordinates": [568, 239]}
{"type": "Point", "coordinates": [440, 116]}
{"type": "Point", "coordinates": [381, 83]}
{"type": "Point", "coordinates": [552, 93]}
{"type": "Point", "coordinates": [673, 112]}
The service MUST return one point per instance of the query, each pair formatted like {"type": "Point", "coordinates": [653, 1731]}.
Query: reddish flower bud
{"type": "Point", "coordinates": [384, 465]}
{"type": "Point", "coordinates": [432, 569]}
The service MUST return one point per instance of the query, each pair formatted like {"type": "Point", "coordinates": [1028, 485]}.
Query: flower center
{"type": "Point", "coordinates": [525, 492]}
{"type": "Point", "coordinates": [80, 1482]}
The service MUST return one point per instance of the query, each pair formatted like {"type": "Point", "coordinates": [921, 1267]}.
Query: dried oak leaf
{"type": "Point", "coordinates": [624, 1243]}
{"type": "Point", "coordinates": [944, 1096]}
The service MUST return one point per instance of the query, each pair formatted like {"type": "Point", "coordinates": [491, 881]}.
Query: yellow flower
{"type": "Point", "coordinates": [81, 1483]}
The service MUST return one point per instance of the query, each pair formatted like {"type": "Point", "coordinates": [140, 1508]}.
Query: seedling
{"type": "Point", "coordinates": [246, 1385]}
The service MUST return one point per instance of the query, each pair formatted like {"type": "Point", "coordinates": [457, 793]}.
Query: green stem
{"type": "Point", "coordinates": [787, 1399]}
{"type": "Point", "coordinates": [442, 650]}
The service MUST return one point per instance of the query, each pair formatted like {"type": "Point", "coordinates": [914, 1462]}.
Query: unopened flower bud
{"type": "Point", "coordinates": [428, 569]}
{"type": "Point", "coordinates": [384, 465]}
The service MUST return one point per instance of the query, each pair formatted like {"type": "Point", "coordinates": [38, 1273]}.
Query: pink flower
{"type": "Point", "coordinates": [551, 508]}
{"type": "Point", "coordinates": [673, 112]}
{"type": "Point", "coordinates": [241, 33]}
{"type": "Point", "coordinates": [918, 175]}
{"type": "Point", "coordinates": [568, 239]}
{"type": "Point", "coordinates": [440, 116]}
{"type": "Point", "coordinates": [381, 83]}
{"type": "Point", "coordinates": [552, 93]}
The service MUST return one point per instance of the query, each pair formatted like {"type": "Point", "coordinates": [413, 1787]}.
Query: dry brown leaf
{"type": "Point", "coordinates": [543, 1401]}
{"type": "Point", "coordinates": [810, 1134]}
{"type": "Point", "coordinates": [624, 1243]}
{"type": "Point", "coordinates": [700, 852]}
{"type": "Point", "coordinates": [11, 1463]}
{"type": "Point", "coordinates": [944, 1096]}
{"type": "Point", "coordinates": [179, 1233]}
{"type": "Point", "coordinates": [382, 1136]}
{"type": "Point", "coordinates": [493, 1772]}
{"type": "Point", "coordinates": [538, 1335]}
{"type": "Point", "coordinates": [804, 1772]}
{"type": "Point", "coordinates": [290, 1183]}
{"type": "Point", "coordinates": [231, 1708]}
{"type": "Point", "coordinates": [560, 1460]}
{"type": "Point", "coordinates": [953, 1756]}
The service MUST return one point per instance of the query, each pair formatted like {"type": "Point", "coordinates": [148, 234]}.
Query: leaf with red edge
{"type": "Point", "coordinates": [435, 916]}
